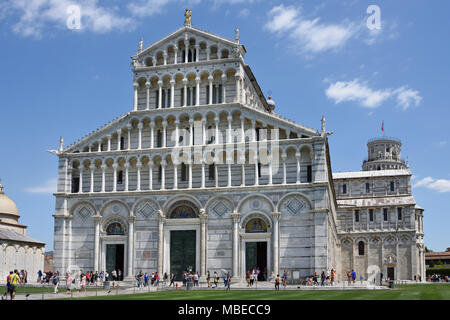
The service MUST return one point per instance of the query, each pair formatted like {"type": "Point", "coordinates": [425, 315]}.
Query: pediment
{"type": "Point", "coordinates": [177, 39]}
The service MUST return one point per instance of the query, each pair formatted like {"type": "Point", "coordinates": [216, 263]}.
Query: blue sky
{"type": "Point", "coordinates": [315, 58]}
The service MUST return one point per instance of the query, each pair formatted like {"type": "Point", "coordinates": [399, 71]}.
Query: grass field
{"type": "Point", "coordinates": [403, 292]}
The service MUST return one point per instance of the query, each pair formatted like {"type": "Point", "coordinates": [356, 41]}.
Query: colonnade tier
{"type": "Point", "coordinates": [223, 127]}
{"type": "Point", "coordinates": [184, 50]}
{"type": "Point", "coordinates": [195, 87]}
{"type": "Point", "coordinates": [292, 164]}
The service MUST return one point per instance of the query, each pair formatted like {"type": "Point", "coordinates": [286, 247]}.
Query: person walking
{"type": "Point", "coordinates": [277, 283]}
{"type": "Point", "coordinates": [353, 276]}
{"type": "Point", "coordinates": [13, 281]}
{"type": "Point", "coordinates": [8, 286]}
{"type": "Point", "coordinates": [172, 279]}
{"type": "Point", "coordinates": [216, 279]}
{"type": "Point", "coordinates": [381, 278]}
{"type": "Point", "coordinates": [39, 276]}
{"type": "Point", "coordinates": [208, 279]}
{"type": "Point", "coordinates": [68, 283]}
{"type": "Point", "coordinates": [228, 281]}
{"type": "Point", "coordinates": [284, 278]}
{"type": "Point", "coordinates": [322, 278]}
{"type": "Point", "coordinates": [55, 282]}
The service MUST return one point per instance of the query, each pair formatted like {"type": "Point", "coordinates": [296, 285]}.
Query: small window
{"type": "Point", "coordinates": [259, 170]}
{"type": "Point", "coordinates": [122, 143]}
{"type": "Point", "coordinates": [344, 188]}
{"type": "Point", "coordinates": [356, 215]}
{"type": "Point", "coordinates": [309, 173]}
{"type": "Point", "coordinates": [371, 215]}
{"type": "Point", "coordinates": [120, 177]}
{"type": "Point", "coordinates": [159, 139]}
{"type": "Point", "coordinates": [385, 214]}
{"type": "Point", "coordinates": [399, 214]}
{"type": "Point", "coordinates": [392, 186]}
{"type": "Point", "coordinates": [211, 172]}
{"type": "Point", "coordinates": [367, 187]}
{"type": "Point", "coordinates": [361, 248]}
{"type": "Point", "coordinates": [159, 173]}
{"type": "Point", "coordinates": [75, 184]}
{"type": "Point", "coordinates": [183, 172]}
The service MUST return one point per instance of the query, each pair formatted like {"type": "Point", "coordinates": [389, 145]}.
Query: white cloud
{"type": "Point", "coordinates": [36, 16]}
{"type": "Point", "coordinates": [439, 185]}
{"type": "Point", "coordinates": [407, 97]}
{"type": "Point", "coordinates": [146, 8]}
{"type": "Point", "coordinates": [244, 13]}
{"type": "Point", "coordinates": [342, 91]}
{"type": "Point", "coordinates": [309, 36]}
{"type": "Point", "coordinates": [48, 186]}
{"type": "Point", "coordinates": [358, 91]}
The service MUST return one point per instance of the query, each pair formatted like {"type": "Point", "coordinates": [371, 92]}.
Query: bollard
{"type": "Point", "coordinates": [176, 286]}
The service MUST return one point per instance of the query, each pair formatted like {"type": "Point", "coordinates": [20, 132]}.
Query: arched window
{"type": "Point", "coordinates": [361, 248]}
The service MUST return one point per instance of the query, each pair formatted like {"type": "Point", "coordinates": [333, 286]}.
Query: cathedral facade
{"type": "Point", "coordinates": [202, 173]}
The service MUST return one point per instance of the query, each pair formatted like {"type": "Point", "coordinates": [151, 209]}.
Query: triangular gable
{"type": "Point", "coordinates": [181, 31]}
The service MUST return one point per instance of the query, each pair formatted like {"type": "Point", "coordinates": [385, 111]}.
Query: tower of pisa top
{"type": "Point", "coordinates": [384, 153]}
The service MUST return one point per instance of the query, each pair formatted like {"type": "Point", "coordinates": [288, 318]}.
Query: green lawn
{"type": "Point", "coordinates": [403, 292]}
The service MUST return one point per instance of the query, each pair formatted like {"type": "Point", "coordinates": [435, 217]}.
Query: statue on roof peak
{"type": "Point", "coordinates": [187, 17]}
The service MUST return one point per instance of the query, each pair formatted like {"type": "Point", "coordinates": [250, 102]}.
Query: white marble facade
{"type": "Point", "coordinates": [202, 136]}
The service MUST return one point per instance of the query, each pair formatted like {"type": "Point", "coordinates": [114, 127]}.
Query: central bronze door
{"type": "Point", "coordinates": [182, 252]}
{"type": "Point", "coordinates": [256, 257]}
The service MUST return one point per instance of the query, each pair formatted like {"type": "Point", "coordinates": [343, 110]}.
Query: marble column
{"type": "Point", "coordinates": [172, 93]}
{"type": "Point", "coordinates": [103, 177]}
{"type": "Point", "coordinates": [150, 175]}
{"type": "Point", "coordinates": [127, 166]}
{"type": "Point", "coordinates": [115, 165]}
{"type": "Point", "coordinates": [184, 102]}
{"type": "Point", "coordinates": [203, 219]}
{"type": "Point", "coordinates": [163, 175]}
{"type": "Point", "coordinates": [203, 174]}
{"type": "Point", "coordinates": [164, 142]}
{"type": "Point", "coordinates": [177, 133]}
{"type": "Point", "coordinates": [80, 189]}
{"type": "Point", "coordinates": [160, 83]}
{"type": "Point", "coordinates": [160, 241]}
{"type": "Point", "coordinates": [210, 83]}
{"type": "Point", "coordinates": [147, 86]}
{"type": "Point", "coordinates": [238, 83]}
{"type": "Point", "coordinates": [119, 132]}
{"type": "Point", "coordinates": [109, 142]}
{"type": "Point", "coordinates": [138, 167]}
{"type": "Point", "coordinates": [276, 257]}
{"type": "Point", "coordinates": [297, 155]}
{"type": "Point", "coordinates": [129, 127]}
{"type": "Point", "coordinates": [140, 126]}
{"type": "Point", "coordinates": [175, 175]}
{"type": "Point", "coordinates": [283, 157]}
{"type": "Point", "coordinates": [97, 220]}
{"type": "Point", "coordinates": [224, 85]}
{"type": "Point", "coordinates": [236, 219]}
{"type": "Point", "coordinates": [229, 135]}
{"type": "Point", "coordinates": [135, 97]}
{"type": "Point", "coordinates": [131, 221]}
{"type": "Point", "coordinates": [197, 93]}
